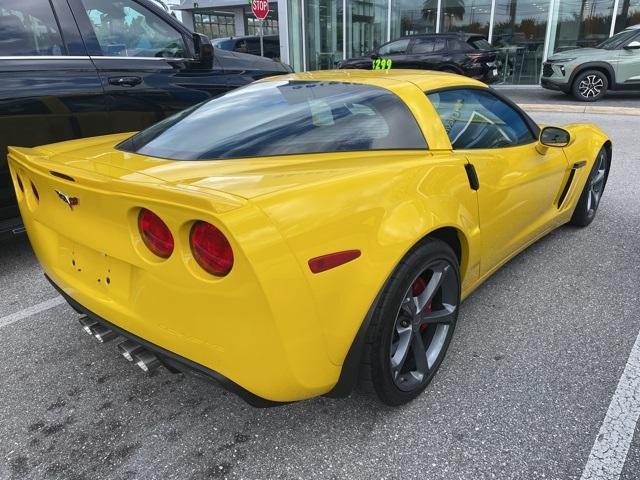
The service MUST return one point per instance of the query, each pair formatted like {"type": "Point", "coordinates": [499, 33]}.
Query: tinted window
{"type": "Point", "coordinates": [126, 29]}
{"type": "Point", "coordinates": [423, 45]}
{"type": "Point", "coordinates": [457, 45]}
{"type": "Point", "coordinates": [478, 119]}
{"type": "Point", "coordinates": [281, 117]}
{"type": "Point", "coordinates": [28, 28]}
{"type": "Point", "coordinates": [224, 44]}
{"type": "Point", "coordinates": [440, 45]}
{"type": "Point", "coordinates": [479, 43]}
{"type": "Point", "coordinates": [399, 46]}
{"type": "Point", "coordinates": [618, 40]}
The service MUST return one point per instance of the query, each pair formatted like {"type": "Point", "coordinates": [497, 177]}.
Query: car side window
{"type": "Point", "coordinates": [456, 45]}
{"type": "Point", "coordinates": [29, 28]}
{"type": "Point", "coordinates": [126, 29]}
{"type": "Point", "coordinates": [440, 45]}
{"type": "Point", "coordinates": [423, 45]}
{"type": "Point", "coordinates": [399, 46]}
{"type": "Point", "coordinates": [477, 119]}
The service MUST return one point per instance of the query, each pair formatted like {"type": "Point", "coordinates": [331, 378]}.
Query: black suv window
{"type": "Point", "coordinates": [457, 45]}
{"type": "Point", "coordinates": [479, 43]}
{"type": "Point", "coordinates": [127, 29]}
{"type": "Point", "coordinates": [28, 28]}
{"type": "Point", "coordinates": [423, 45]}
{"type": "Point", "coordinates": [477, 119]}
{"type": "Point", "coordinates": [399, 46]}
{"type": "Point", "coordinates": [284, 117]}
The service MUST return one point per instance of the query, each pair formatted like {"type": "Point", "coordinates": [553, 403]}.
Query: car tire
{"type": "Point", "coordinates": [590, 86]}
{"type": "Point", "coordinates": [591, 195]}
{"type": "Point", "coordinates": [412, 324]}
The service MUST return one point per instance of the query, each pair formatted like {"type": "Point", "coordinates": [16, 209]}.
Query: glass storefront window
{"type": "Point", "coordinates": [410, 17]}
{"type": "Point", "coordinates": [214, 24]}
{"type": "Point", "coordinates": [323, 32]}
{"type": "Point", "coordinates": [581, 23]}
{"type": "Point", "coordinates": [519, 33]}
{"type": "Point", "coordinates": [628, 14]}
{"type": "Point", "coordinates": [471, 16]}
{"type": "Point", "coordinates": [366, 26]}
{"type": "Point", "coordinates": [270, 24]}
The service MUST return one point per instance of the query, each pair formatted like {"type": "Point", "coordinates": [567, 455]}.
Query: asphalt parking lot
{"type": "Point", "coordinates": [522, 394]}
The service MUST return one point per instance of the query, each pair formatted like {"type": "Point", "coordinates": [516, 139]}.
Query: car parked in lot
{"type": "Point", "coordinates": [326, 234]}
{"type": "Point", "coordinates": [587, 73]}
{"type": "Point", "coordinates": [251, 45]}
{"type": "Point", "coordinates": [465, 54]}
{"type": "Point", "coordinates": [80, 68]}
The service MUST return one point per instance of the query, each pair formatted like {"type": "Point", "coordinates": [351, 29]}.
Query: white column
{"type": "Point", "coordinates": [304, 37]}
{"type": "Point", "coordinates": [283, 30]}
{"type": "Point", "coordinates": [187, 19]}
{"type": "Point", "coordinates": [438, 15]}
{"type": "Point", "coordinates": [389, 21]}
{"type": "Point", "coordinates": [238, 22]}
{"type": "Point", "coordinates": [344, 29]}
{"type": "Point", "coordinates": [551, 29]}
{"type": "Point", "coordinates": [614, 17]}
{"type": "Point", "coordinates": [491, 20]}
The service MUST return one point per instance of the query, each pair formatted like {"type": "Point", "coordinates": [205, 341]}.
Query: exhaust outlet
{"type": "Point", "coordinates": [129, 348]}
{"type": "Point", "coordinates": [147, 361]}
{"type": "Point", "coordinates": [88, 324]}
{"type": "Point", "coordinates": [103, 334]}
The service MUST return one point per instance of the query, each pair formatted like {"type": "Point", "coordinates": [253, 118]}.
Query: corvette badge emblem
{"type": "Point", "coordinates": [71, 201]}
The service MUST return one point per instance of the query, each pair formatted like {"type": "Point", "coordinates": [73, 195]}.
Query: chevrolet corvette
{"type": "Point", "coordinates": [306, 233]}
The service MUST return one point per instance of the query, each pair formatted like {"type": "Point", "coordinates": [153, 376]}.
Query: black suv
{"type": "Point", "coordinates": [463, 53]}
{"type": "Point", "coordinates": [79, 68]}
{"type": "Point", "coordinates": [251, 45]}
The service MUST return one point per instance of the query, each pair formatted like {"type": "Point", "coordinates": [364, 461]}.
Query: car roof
{"type": "Point", "coordinates": [633, 27]}
{"type": "Point", "coordinates": [464, 35]}
{"type": "Point", "coordinates": [425, 80]}
{"type": "Point", "coordinates": [243, 37]}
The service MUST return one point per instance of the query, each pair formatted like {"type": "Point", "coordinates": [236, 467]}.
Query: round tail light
{"type": "Point", "coordinates": [211, 249]}
{"type": "Point", "coordinates": [155, 233]}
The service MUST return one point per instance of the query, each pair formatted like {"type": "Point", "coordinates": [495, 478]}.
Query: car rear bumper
{"type": "Point", "coordinates": [170, 359]}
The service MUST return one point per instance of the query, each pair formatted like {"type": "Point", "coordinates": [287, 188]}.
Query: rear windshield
{"type": "Point", "coordinates": [284, 117]}
{"type": "Point", "coordinates": [479, 43]}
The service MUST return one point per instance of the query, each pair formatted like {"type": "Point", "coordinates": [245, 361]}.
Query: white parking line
{"type": "Point", "coordinates": [27, 312]}
{"type": "Point", "coordinates": [610, 448]}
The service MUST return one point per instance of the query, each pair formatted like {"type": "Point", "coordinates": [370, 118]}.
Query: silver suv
{"type": "Point", "coordinates": [588, 73]}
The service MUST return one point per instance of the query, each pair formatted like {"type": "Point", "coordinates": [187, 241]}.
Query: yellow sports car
{"type": "Point", "coordinates": [306, 232]}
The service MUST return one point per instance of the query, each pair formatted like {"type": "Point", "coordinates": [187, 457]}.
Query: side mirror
{"type": "Point", "coordinates": [555, 137]}
{"type": "Point", "coordinates": [204, 51]}
{"type": "Point", "coordinates": [635, 45]}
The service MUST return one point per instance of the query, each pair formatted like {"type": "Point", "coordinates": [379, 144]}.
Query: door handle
{"type": "Point", "coordinates": [125, 81]}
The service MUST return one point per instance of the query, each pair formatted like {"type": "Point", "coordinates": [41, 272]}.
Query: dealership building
{"type": "Point", "coordinates": [316, 34]}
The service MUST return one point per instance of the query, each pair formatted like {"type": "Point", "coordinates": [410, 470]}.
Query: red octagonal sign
{"type": "Point", "coordinates": [260, 8]}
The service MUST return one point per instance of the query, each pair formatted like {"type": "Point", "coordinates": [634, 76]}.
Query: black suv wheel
{"type": "Point", "coordinates": [590, 85]}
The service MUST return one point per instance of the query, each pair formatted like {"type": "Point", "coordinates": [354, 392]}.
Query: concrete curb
{"type": "Point", "coordinates": [555, 108]}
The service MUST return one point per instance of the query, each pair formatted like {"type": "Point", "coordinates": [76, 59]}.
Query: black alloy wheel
{"type": "Point", "coordinates": [413, 324]}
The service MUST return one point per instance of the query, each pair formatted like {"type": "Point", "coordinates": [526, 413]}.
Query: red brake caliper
{"type": "Point", "coordinates": [416, 289]}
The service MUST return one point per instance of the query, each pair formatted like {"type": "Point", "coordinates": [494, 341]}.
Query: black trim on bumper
{"type": "Point", "coordinates": [173, 360]}
{"type": "Point", "coordinates": [566, 88]}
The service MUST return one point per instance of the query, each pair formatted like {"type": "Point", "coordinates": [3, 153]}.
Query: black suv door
{"type": "Point", "coordinates": [145, 60]}
{"type": "Point", "coordinates": [49, 88]}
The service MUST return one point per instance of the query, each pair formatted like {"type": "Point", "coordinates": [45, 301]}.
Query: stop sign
{"type": "Point", "coordinates": [260, 8]}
